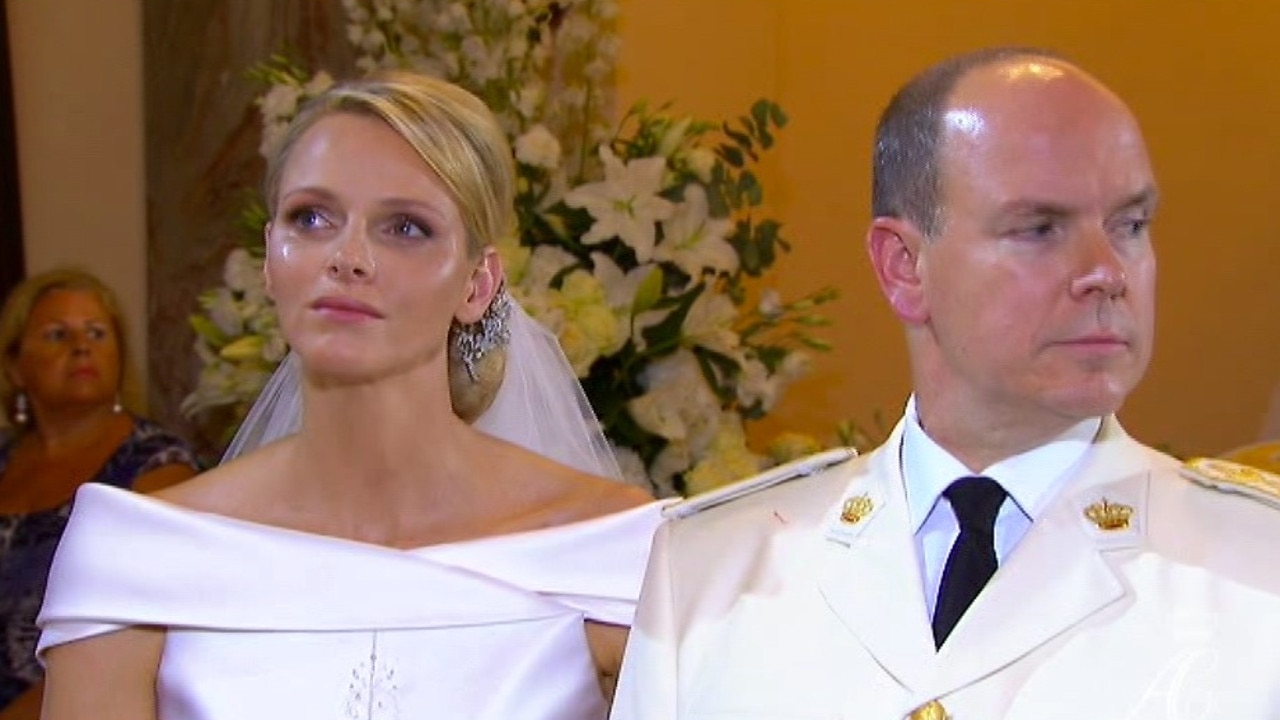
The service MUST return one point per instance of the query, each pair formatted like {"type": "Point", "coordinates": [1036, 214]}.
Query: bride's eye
{"type": "Point", "coordinates": [408, 227]}
{"type": "Point", "coordinates": [307, 218]}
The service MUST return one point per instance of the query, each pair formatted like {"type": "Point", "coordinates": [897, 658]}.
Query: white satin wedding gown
{"type": "Point", "coordinates": [272, 624]}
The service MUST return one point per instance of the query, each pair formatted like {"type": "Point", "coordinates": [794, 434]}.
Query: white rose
{"type": "Point", "coordinates": [578, 348]}
{"type": "Point", "coordinates": [241, 272]}
{"type": "Point", "coordinates": [538, 148]}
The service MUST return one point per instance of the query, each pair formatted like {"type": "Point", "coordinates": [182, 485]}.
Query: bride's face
{"type": "Point", "coordinates": [366, 254]}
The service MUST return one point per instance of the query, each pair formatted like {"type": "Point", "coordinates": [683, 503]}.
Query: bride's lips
{"type": "Point", "coordinates": [339, 307]}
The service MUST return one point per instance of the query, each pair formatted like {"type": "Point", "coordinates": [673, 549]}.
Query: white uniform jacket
{"type": "Point", "coordinates": [805, 600]}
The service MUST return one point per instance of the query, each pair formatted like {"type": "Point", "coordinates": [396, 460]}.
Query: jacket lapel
{"type": "Point", "coordinates": [1058, 575]}
{"type": "Point", "coordinates": [869, 576]}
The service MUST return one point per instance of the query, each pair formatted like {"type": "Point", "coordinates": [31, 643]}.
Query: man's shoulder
{"type": "Point", "coordinates": [796, 494]}
{"type": "Point", "coordinates": [1217, 515]}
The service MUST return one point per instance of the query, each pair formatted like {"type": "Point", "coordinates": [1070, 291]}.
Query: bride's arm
{"type": "Point", "coordinates": [105, 677]}
{"type": "Point", "coordinates": [607, 643]}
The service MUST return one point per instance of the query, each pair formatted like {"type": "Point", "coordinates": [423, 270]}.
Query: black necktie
{"type": "Point", "coordinates": [972, 561]}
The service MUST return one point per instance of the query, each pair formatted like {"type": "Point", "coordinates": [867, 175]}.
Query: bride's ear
{"type": "Point", "coordinates": [486, 279]}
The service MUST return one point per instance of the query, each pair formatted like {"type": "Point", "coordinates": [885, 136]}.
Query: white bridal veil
{"type": "Point", "coordinates": [539, 406]}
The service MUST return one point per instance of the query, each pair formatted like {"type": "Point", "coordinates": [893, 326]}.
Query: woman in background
{"type": "Point", "coordinates": [63, 354]}
{"type": "Point", "coordinates": [436, 539]}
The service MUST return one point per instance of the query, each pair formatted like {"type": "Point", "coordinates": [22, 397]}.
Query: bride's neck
{"type": "Point", "coordinates": [379, 436]}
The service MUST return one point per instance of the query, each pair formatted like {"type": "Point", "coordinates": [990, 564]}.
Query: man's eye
{"type": "Point", "coordinates": [1037, 231]}
{"type": "Point", "coordinates": [1137, 227]}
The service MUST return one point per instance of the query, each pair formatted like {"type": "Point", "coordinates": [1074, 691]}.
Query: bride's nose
{"type": "Point", "coordinates": [352, 258]}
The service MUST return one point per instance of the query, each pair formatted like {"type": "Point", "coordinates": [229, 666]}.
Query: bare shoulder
{"type": "Point", "coordinates": [104, 677]}
{"type": "Point", "coordinates": [232, 489]}
{"type": "Point", "coordinates": [565, 493]}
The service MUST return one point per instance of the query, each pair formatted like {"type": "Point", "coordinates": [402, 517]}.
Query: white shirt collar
{"type": "Point", "coordinates": [1031, 478]}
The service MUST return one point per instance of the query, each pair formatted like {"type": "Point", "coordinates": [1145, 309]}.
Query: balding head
{"type": "Point", "coordinates": [906, 180]}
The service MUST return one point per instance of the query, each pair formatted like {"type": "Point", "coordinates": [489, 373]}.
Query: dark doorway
{"type": "Point", "coordinates": [12, 265]}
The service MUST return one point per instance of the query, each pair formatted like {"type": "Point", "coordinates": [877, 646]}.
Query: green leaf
{"type": "Point", "coordinates": [760, 112]}
{"type": "Point", "coordinates": [666, 335]}
{"type": "Point", "coordinates": [780, 118]}
{"type": "Point", "coordinates": [719, 371]}
{"type": "Point", "coordinates": [742, 139]}
{"type": "Point", "coordinates": [749, 186]}
{"type": "Point", "coordinates": [731, 155]}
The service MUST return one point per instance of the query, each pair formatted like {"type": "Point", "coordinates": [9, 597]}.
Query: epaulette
{"type": "Point", "coordinates": [804, 467]}
{"type": "Point", "coordinates": [1233, 477]}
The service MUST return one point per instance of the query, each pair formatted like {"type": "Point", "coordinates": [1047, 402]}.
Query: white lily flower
{"type": "Point", "coordinates": [221, 305]}
{"type": "Point", "coordinates": [694, 240]}
{"type": "Point", "coordinates": [619, 287]}
{"type": "Point", "coordinates": [674, 135]}
{"type": "Point", "coordinates": [544, 263]}
{"type": "Point", "coordinates": [677, 405]}
{"type": "Point", "coordinates": [756, 385]}
{"type": "Point", "coordinates": [626, 203]}
{"type": "Point", "coordinates": [710, 323]}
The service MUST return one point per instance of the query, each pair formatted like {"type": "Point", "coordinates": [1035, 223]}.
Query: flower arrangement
{"type": "Point", "coordinates": [639, 242]}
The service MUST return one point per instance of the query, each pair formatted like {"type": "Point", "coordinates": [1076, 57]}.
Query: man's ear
{"type": "Point", "coordinates": [486, 279]}
{"type": "Point", "coordinates": [894, 246]}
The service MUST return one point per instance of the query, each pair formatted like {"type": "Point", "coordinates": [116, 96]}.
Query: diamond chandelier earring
{"type": "Point", "coordinates": [475, 340]}
{"type": "Point", "coordinates": [21, 408]}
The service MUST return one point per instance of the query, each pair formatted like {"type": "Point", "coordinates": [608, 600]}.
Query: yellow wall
{"type": "Point", "coordinates": [77, 67]}
{"type": "Point", "coordinates": [1199, 74]}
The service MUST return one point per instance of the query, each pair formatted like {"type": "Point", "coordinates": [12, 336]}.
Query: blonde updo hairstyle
{"type": "Point", "coordinates": [458, 137]}
{"type": "Point", "coordinates": [22, 302]}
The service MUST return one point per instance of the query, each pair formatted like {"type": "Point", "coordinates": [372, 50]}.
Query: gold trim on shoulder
{"type": "Point", "coordinates": [856, 509]}
{"type": "Point", "coordinates": [1233, 477]}
{"type": "Point", "coordinates": [1109, 516]}
{"type": "Point", "coordinates": [931, 710]}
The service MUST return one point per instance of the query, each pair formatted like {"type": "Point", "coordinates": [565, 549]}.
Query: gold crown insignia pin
{"type": "Point", "coordinates": [1109, 516]}
{"type": "Point", "coordinates": [931, 710]}
{"type": "Point", "coordinates": [856, 509]}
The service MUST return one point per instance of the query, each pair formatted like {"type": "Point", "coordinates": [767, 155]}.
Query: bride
{"type": "Point", "coordinates": [424, 530]}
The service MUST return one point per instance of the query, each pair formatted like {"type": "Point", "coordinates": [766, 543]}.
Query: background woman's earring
{"type": "Point", "coordinates": [21, 408]}
{"type": "Point", "coordinates": [116, 407]}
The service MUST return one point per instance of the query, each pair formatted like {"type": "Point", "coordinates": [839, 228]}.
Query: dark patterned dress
{"type": "Point", "coordinates": [27, 543]}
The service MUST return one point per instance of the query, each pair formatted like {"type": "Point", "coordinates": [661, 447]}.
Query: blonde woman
{"type": "Point", "coordinates": [63, 371]}
{"type": "Point", "coordinates": [430, 535]}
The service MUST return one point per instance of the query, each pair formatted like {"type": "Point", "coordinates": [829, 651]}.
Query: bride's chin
{"type": "Point", "coordinates": [332, 370]}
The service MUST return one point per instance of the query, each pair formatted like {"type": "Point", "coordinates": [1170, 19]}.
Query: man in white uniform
{"type": "Point", "coordinates": [1009, 552]}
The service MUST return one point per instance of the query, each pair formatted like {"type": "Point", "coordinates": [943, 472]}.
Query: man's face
{"type": "Point", "coordinates": [1039, 288]}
